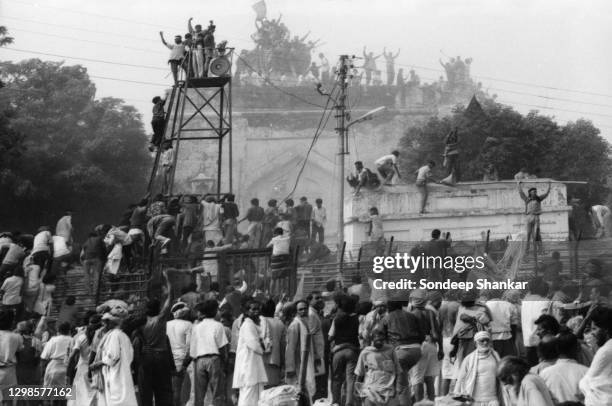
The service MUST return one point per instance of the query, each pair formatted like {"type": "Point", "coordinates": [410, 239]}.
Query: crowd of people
{"type": "Point", "coordinates": [549, 347]}
{"type": "Point", "coordinates": [182, 226]}
{"type": "Point", "coordinates": [193, 52]}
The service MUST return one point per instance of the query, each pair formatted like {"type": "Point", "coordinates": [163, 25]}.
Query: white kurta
{"type": "Point", "coordinates": [116, 353]}
{"type": "Point", "coordinates": [83, 392]}
{"type": "Point", "coordinates": [249, 370]}
{"type": "Point", "coordinates": [597, 383]}
{"type": "Point", "coordinates": [56, 351]}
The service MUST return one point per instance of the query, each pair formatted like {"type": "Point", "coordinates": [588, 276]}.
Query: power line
{"type": "Point", "coordinates": [243, 40]}
{"type": "Point", "coordinates": [114, 45]}
{"type": "Point", "coordinates": [558, 109]}
{"type": "Point", "coordinates": [80, 29]}
{"type": "Point", "coordinates": [276, 87]}
{"type": "Point", "coordinates": [322, 124]}
{"type": "Point", "coordinates": [86, 59]}
{"type": "Point", "coordinates": [86, 13]}
{"type": "Point", "coordinates": [399, 64]}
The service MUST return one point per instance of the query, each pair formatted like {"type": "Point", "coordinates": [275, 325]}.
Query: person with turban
{"type": "Point", "coordinates": [112, 376]}
{"type": "Point", "coordinates": [178, 331]}
{"type": "Point", "coordinates": [476, 380]}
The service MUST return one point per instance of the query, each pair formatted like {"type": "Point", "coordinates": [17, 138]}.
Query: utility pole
{"type": "Point", "coordinates": [340, 108]}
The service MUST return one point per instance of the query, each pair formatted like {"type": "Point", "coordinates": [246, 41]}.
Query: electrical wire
{"type": "Point", "coordinates": [239, 39]}
{"type": "Point", "coordinates": [86, 59]}
{"type": "Point", "coordinates": [320, 127]}
{"type": "Point", "coordinates": [268, 81]}
{"type": "Point", "coordinates": [398, 64]}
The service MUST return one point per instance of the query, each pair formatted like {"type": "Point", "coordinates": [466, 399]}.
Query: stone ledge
{"type": "Point", "coordinates": [459, 213]}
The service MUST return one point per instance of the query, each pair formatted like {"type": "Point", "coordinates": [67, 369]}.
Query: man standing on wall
{"type": "Point", "coordinates": [319, 218]}
{"type": "Point", "coordinates": [533, 209]}
{"type": "Point", "coordinates": [304, 214]}
{"type": "Point", "coordinates": [423, 177]}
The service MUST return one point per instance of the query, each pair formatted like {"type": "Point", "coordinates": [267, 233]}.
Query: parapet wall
{"type": "Point", "coordinates": [466, 211]}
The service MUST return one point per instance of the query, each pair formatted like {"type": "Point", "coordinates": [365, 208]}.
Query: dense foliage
{"type": "Point", "coordinates": [496, 134]}
{"type": "Point", "coordinates": [61, 148]}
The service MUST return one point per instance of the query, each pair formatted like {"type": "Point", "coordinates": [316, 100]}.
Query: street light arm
{"type": "Point", "coordinates": [367, 116]}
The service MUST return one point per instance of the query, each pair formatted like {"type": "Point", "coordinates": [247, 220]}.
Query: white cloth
{"type": "Point", "coordinates": [177, 51]}
{"type": "Point", "coordinates": [249, 355]}
{"type": "Point", "coordinates": [116, 353]}
{"type": "Point", "coordinates": [504, 314]}
{"type": "Point", "coordinates": [597, 383]}
{"type": "Point", "coordinates": [280, 245]}
{"type": "Point", "coordinates": [45, 299]}
{"type": "Point", "coordinates": [563, 378]}
{"type": "Point", "coordinates": [32, 275]}
{"type": "Point", "coordinates": [12, 290]}
{"type": "Point", "coordinates": [179, 335]}
{"type": "Point", "coordinates": [114, 259]}
{"type": "Point", "coordinates": [207, 337]}
{"type": "Point", "coordinates": [211, 213]}
{"type": "Point", "coordinates": [14, 255]}
{"type": "Point", "coordinates": [64, 228]}
{"type": "Point", "coordinates": [249, 395]}
{"type": "Point", "coordinates": [386, 160]}
{"type": "Point", "coordinates": [423, 173]}
{"type": "Point", "coordinates": [319, 216]}
{"type": "Point", "coordinates": [56, 351]}
{"type": "Point", "coordinates": [60, 247]}
{"type": "Point", "coordinates": [83, 392]}
{"type": "Point", "coordinates": [42, 242]}
{"type": "Point", "coordinates": [477, 373]}
{"type": "Point", "coordinates": [10, 343]}
{"type": "Point", "coordinates": [532, 307]}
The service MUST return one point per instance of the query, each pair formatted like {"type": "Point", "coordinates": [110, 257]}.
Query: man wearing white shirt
{"type": "Point", "coordinates": [532, 307]}
{"type": "Point", "coordinates": [319, 218]}
{"type": "Point", "coordinates": [503, 325]}
{"type": "Point", "coordinates": [208, 349]}
{"type": "Point", "coordinates": [177, 52]}
{"type": "Point", "coordinates": [178, 331]}
{"type": "Point", "coordinates": [387, 167]}
{"type": "Point", "coordinates": [63, 227]}
{"type": "Point", "coordinates": [563, 377]}
{"type": "Point", "coordinates": [423, 177]}
{"type": "Point", "coordinates": [597, 383]}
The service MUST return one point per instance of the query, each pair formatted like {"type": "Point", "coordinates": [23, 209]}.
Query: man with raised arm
{"type": "Point", "coordinates": [533, 209]}
{"type": "Point", "coordinates": [177, 52]}
{"type": "Point", "coordinates": [156, 363]}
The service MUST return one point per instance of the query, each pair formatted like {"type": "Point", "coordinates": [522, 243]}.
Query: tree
{"type": "Point", "coordinates": [503, 137]}
{"type": "Point", "coordinates": [68, 150]}
{"type": "Point", "coordinates": [4, 38]}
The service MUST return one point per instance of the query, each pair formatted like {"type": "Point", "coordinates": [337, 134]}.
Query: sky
{"type": "Point", "coordinates": [545, 55]}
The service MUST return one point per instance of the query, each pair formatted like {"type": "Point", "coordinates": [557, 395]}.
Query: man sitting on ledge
{"type": "Point", "coordinates": [362, 177]}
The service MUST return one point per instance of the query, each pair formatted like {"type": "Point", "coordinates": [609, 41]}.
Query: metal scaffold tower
{"type": "Point", "coordinates": [198, 127]}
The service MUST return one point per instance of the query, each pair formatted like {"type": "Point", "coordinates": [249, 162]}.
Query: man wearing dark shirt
{"type": "Point", "coordinates": [436, 248]}
{"type": "Point", "coordinates": [157, 363]}
{"type": "Point", "coordinates": [344, 336]}
{"type": "Point", "coordinates": [209, 47]}
{"type": "Point", "coordinates": [404, 333]}
{"type": "Point", "coordinates": [159, 122]}
{"type": "Point", "coordinates": [230, 219]}
{"type": "Point", "coordinates": [304, 215]}
{"type": "Point", "coordinates": [93, 255]}
{"type": "Point", "coordinates": [255, 216]}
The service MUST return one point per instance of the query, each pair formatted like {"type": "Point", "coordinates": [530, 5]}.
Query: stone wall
{"type": "Point", "coordinates": [466, 211]}
{"type": "Point", "coordinates": [269, 148]}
